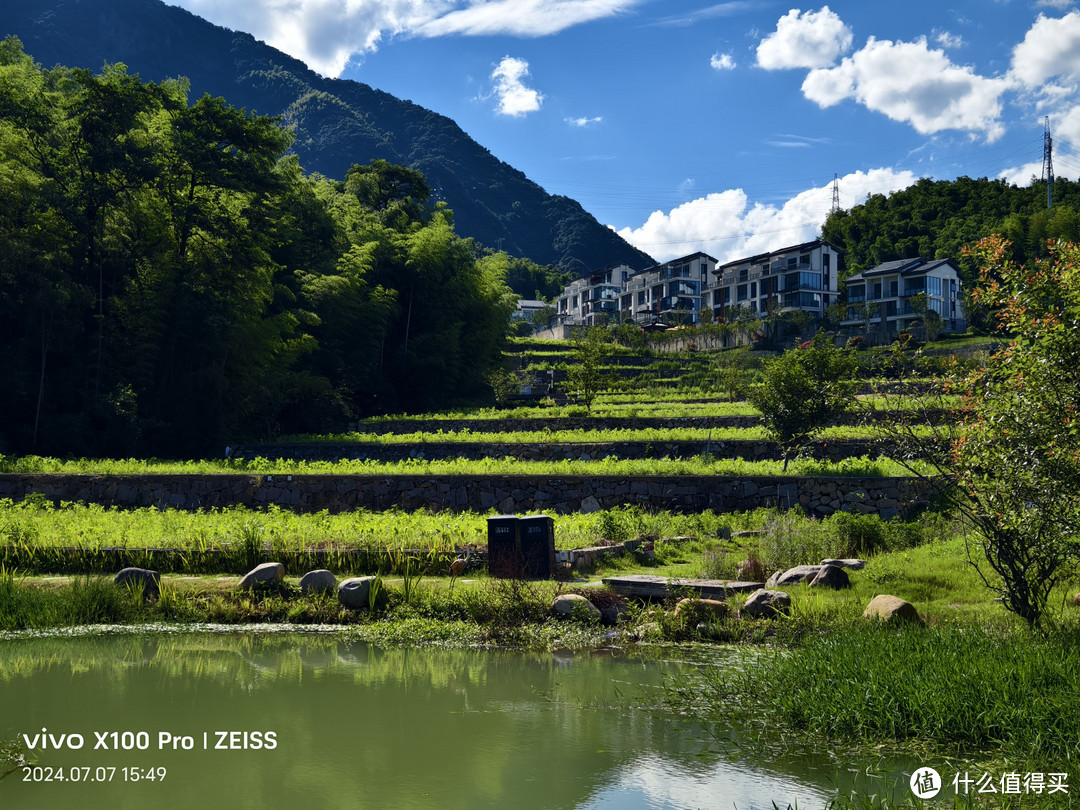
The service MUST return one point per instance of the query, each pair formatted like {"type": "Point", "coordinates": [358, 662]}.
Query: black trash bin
{"type": "Point", "coordinates": [504, 547]}
{"type": "Point", "coordinates": [537, 536]}
{"type": "Point", "coordinates": [521, 547]}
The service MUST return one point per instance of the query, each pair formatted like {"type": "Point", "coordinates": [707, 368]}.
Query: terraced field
{"type": "Point", "coordinates": [668, 450]}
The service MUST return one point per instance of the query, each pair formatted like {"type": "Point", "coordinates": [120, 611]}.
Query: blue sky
{"type": "Point", "coordinates": [687, 126]}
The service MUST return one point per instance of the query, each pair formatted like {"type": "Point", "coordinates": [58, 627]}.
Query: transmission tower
{"type": "Point", "coordinates": [835, 194]}
{"type": "Point", "coordinates": [1048, 163]}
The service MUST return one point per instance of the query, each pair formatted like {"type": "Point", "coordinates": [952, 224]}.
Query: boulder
{"type": "Point", "coordinates": [854, 565]}
{"type": "Point", "coordinates": [318, 581]}
{"type": "Point", "coordinates": [355, 593]}
{"type": "Point", "coordinates": [267, 572]}
{"type": "Point", "coordinates": [143, 578]}
{"type": "Point", "coordinates": [765, 604]}
{"type": "Point", "coordinates": [574, 605]}
{"type": "Point", "coordinates": [891, 609]}
{"type": "Point", "coordinates": [750, 571]}
{"type": "Point", "coordinates": [701, 609]}
{"type": "Point", "coordinates": [831, 576]}
{"type": "Point", "coordinates": [793, 576]}
{"type": "Point", "coordinates": [610, 614]}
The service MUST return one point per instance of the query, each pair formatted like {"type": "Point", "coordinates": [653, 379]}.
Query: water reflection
{"type": "Point", "coordinates": [359, 725]}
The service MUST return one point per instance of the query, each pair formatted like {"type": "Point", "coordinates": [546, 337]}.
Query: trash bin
{"type": "Point", "coordinates": [521, 547]}
{"type": "Point", "coordinates": [537, 536]}
{"type": "Point", "coordinates": [504, 547]}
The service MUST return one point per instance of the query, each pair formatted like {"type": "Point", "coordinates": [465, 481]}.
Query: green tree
{"type": "Point", "coordinates": [802, 390]}
{"type": "Point", "coordinates": [1016, 462]}
{"type": "Point", "coordinates": [586, 376]}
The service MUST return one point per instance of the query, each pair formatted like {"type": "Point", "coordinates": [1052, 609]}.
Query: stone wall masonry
{"type": "Point", "coordinates": [555, 423]}
{"type": "Point", "coordinates": [887, 497]}
{"type": "Point", "coordinates": [751, 450]}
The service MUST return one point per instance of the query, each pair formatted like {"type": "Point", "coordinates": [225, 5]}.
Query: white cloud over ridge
{"type": "Point", "coordinates": [326, 34]}
{"type": "Point", "coordinates": [811, 39]}
{"type": "Point", "coordinates": [515, 99]}
{"type": "Point", "coordinates": [523, 18]}
{"type": "Point", "coordinates": [726, 225]}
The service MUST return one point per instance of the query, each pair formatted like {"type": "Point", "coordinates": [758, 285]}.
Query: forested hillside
{"type": "Point", "coordinates": [336, 123]}
{"type": "Point", "coordinates": [937, 218]}
{"type": "Point", "coordinates": [171, 281]}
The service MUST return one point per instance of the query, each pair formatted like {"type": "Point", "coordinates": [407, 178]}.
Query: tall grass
{"type": "Point", "coordinates": [964, 690]}
{"type": "Point", "coordinates": [861, 466]}
{"type": "Point", "coordinates": [37, 536]}
{"type": "Point", "coordinates": [88, 600]}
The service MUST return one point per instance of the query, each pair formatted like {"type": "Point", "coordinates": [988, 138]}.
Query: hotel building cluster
{"type": "Point", "coordinates": [698, 289]}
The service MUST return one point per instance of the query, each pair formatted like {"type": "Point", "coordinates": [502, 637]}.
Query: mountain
{"type": "Point", "coordinates": [336, 122]}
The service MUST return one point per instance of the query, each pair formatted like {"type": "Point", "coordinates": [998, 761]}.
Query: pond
{"type": "Point", "coordinates": [283, 720]}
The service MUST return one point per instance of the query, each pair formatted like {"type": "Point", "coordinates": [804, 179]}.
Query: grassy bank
{"type": "Point", "coordinates": [957, 697]}
{"type": "Point", "coordinates": [861, 466]}
{"type": "Point", "coordinates": [578, 436]}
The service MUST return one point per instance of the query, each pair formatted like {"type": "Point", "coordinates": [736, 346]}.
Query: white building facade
{"type": "Point", "coordinates": [593, 300]}
{"type": "Point", "coordinates": [882, 297]}
{"type": "Point", "coordinates": [667, 293]}
{"type": "Point", "coordinates": [801, 277]}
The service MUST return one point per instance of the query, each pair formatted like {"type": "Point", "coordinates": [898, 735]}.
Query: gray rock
{"type": "Point", "coordinates": [891, 609]}
{"type": "Point", "coordinates": [355, 593]}
{"type": "Point", "coordinates": [765, 604]}
{"type": "Point", "coordinates": [267, 572]}
{"type": "Point", "coordinates": [590, 505]}
{"type": "Point", "coordinates": [149, 581]}
{"type": "Point", "coordinates": [854, 565]}
{"type": "Point", "coordinates": [831, 576]}
{"type": "Point", "coordinates": [611, 614]}
{"type": "Point", "coordinates": [793, 576]}
{"type": "Point", "coordinates": [318, 581]}
{"type": "Point", "coordinates": [573, 605]}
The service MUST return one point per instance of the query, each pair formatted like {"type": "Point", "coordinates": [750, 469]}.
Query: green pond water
{"type": "Point", "coordinates": [287, 720]}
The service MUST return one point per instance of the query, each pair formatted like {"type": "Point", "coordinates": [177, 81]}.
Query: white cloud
{"type": "Point", "coordinates": [909, 82]}
{"type": "Point", "coordinates": [326, 34]}
{"type": "Point", "coordinates": [947, 40]}
{"type": "Point", "coordinates": [722, 61]}
{"type": "Point", "coordinates": [514, 97]}
{"type": "Point", "coordinates": [584, 121]}
{"type": "Point", "coordinates": [1065, 127]}
{"type": "Point", "coordinates": [727, 226]}
{"type": "Point", "coordinates": [523, 18]}
{"type": "Point", "coordinates": [1051, 49]}
{"type": "Point", "coordinates": [811, 39]}
{"type": "Point", "coordinates": [1061, 5]}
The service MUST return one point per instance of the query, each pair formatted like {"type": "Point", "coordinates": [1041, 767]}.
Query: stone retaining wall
{"type": "Point", "coordinates": [554, 423]}
{"type": "Point", "coordinates": [751, 450]}
{"type": "Point", "coordinates": [507, 494]}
